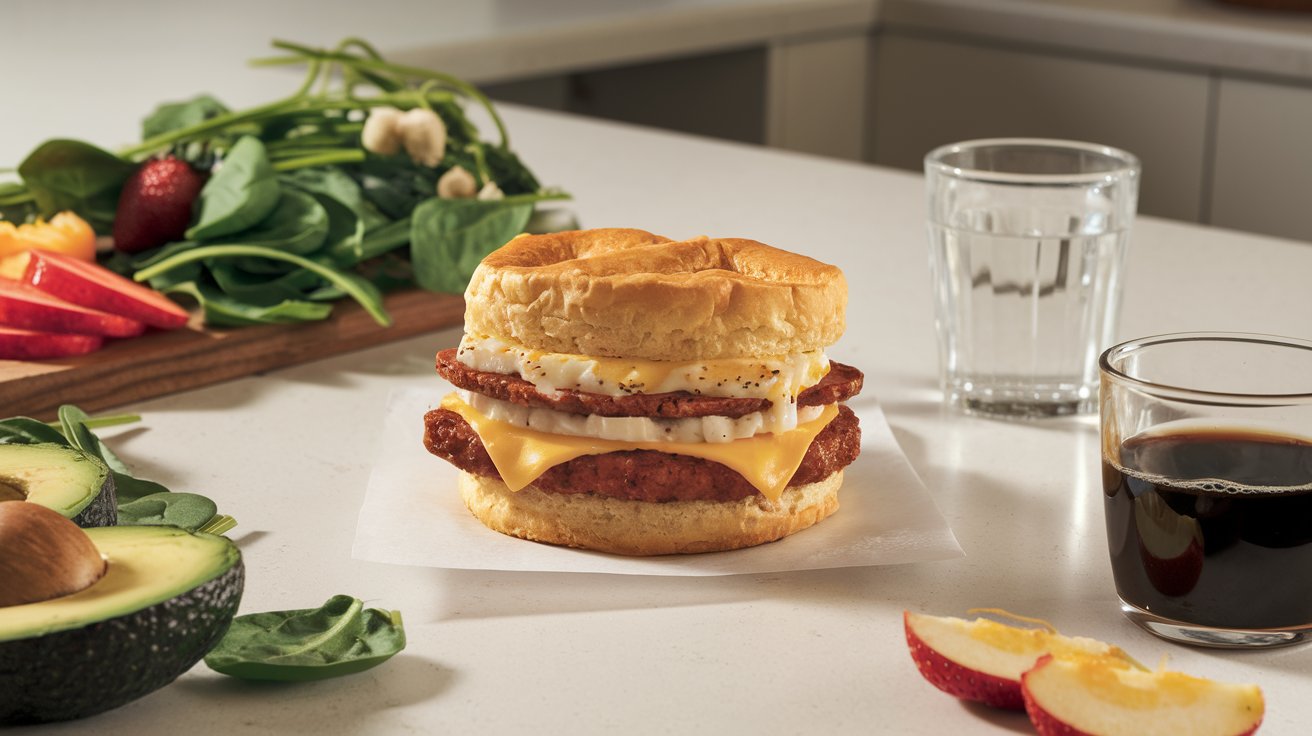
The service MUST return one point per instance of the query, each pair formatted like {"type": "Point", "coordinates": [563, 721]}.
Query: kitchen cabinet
{"type": "Point", "coordinates": [804, 94]}
{"type": "Point", "coordinates": [931, 91]}
{"type": "Point", "coordinates": [1262, 180]}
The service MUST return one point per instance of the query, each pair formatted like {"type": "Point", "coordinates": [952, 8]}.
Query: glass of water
{"type": "Point", "coordinates": [1027, 241]}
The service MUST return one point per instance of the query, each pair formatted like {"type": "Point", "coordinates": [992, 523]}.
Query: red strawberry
{"type": "Point", "coordinates": [155, 206]}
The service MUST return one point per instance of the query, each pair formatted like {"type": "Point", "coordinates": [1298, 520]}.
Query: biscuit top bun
{"type": "Point", "coordinates": [631, 294]}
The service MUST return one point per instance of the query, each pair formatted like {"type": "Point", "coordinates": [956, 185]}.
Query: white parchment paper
{"type": "Point", "coordinates": [413, 515]}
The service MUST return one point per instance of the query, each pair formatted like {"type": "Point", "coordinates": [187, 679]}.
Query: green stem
{"type": "Point", "coordinates": [219, 525]}
{"type": "Point", "coordinates": [294, 104]}
{"type": "Point", "coordinates": [219, 121]}
{"type": "Point", "coordinates": [480, 161]}
{"type": "Point", "coordinates": [112, 420]}
{"type": "Point", "coordinates": [411, 71]}
{"type": "Point", "coordinates": [285, 153]}
{"type": "Point", "coordinates": [361, 44]}
{"type": "Point", "coordinates": [310, 140]}
{"type": "Point", "coordinates": [422, 94]}
{"type": "Point", "coordinates": [353, 288]}
{"type": "Point", "coordinates": [339, 156]}
{"type": "Point", "coordinates": [310, 75]}
{"type": "Point", "coordinates": [215, 123]}
{"type": "Point", "coordinates": [20, 198]}
{"type": "Point", "coordinates": [543, 196]}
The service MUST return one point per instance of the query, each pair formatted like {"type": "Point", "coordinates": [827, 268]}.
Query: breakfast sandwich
{"type": "Point", "coordinates": [622, 392]}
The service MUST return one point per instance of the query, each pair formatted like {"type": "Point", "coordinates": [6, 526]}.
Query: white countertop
{"type": "Point", "coordinates": [289, 454]}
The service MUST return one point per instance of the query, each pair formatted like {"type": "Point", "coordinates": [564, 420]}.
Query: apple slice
{"type": "Point", "coordinates": [1170, 545]}
{"type": "Point", "coordinates": [94, 286]}
{"type": "Point", "coordinates": [982, 660]}
{"type": "Point", "coordinates": [28, 308]}
{"type": "Point", "coordinates": [16, 344]}
{"type": "Point", "coordinates": [1081, 695]}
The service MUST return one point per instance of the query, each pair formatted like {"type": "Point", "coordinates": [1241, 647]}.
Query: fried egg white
{"type": "Point", "coordinates": [632, 429]}
{"type": "Point", "coordinates": [777, 378]}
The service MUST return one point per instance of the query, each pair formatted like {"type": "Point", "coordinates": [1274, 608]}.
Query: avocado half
{"type": "Point", "coordinates": [61, 478]}
{"type": "Point", "coordinates": [166, 599]}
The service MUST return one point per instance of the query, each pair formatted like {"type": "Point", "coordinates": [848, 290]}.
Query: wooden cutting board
{"type": "Point", "coordinates": [166, 362]}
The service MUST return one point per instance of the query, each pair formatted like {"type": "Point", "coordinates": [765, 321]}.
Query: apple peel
{"type": "Point", "coordinates": [95, 287]}
{"type": "Point", "coordinates": [982, 660]}
{"type": "Point", "coordinates": [1081, 695]}
{"type": "Point", "coordinates": [25, 307]}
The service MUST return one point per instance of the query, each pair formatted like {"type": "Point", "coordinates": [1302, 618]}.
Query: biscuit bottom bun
{"type": "Point", "coordinates": [627, 527]}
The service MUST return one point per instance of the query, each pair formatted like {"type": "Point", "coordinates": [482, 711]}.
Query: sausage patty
{"type": "Point", "coordinates": [842, 382]}
{"type": "Point", "coordinates": [644, 475]}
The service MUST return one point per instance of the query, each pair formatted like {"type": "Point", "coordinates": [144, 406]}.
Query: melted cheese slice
{"type": "Point", "coordinates": [520, 454]}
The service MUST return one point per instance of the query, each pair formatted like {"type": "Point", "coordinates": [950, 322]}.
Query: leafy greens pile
{"type": "Point", "coordinates": [297, 213]}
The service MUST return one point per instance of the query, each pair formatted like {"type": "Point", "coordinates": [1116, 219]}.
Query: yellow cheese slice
{"type": "Point", "coordinates": [521, 454]}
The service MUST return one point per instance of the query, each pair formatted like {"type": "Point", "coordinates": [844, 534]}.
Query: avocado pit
{"type": "Point", "coordinates": [43, 555]}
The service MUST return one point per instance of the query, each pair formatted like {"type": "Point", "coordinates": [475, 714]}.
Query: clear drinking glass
{"type": "Point", "coordinates": [1027, 240]}
{"type": "Point", "coordinates": [1207, 480]}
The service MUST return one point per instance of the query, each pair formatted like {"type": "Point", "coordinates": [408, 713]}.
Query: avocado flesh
{"type": "Point", "coordinates": [64, 479]}
{"type": "Point", "coordinates": [166, 599]}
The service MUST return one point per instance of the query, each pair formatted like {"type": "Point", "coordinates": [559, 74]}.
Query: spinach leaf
{"type": "Point", "coordinates": [28, 431]}
{"type": "Point", "coordinates": [448, 238]}
{"type": "Point", "coordinates": [266, 266]}
{"type": "Point", "coordinates": [224, 311]}
{"type": "Point", "coordinates": [166, 281]}
{"type": "Point", "coordinates": [263, 289]}
{"type": "Point", "coordinates": [176, 115]}
{"type": "Point", "coordinates": [395, 184]}
{"type": "Point", "coordinates": [509, 172]}
{"type": "Point", "coordinates": [240, 195]}
{"type": "Point", "coordinates": [363, 292]}
{"type": "Point", "coordinates": [340, 638]}
{"type": "Point", "coordinates": [298, 224]}
{"type": "Point", "coordinates": [73, 424]}
{"type": "Point", "coordinates": [184, 510]}
{"type": "Point", "coordinates": [344, 244]}
{"type": "Point", "coordinates": [16, 203]}
{"type": "Point", "coordinates": [72, 175]}
{"type": "Point", "coordinates": [335, 184]}
{"type": "Point", "coordinates": [459, 129]}
{"type": "Point", "coordinates": [385, 239]}
{"type": "Point", "coordinates": [145, 258]}
{"type": "Point", "coordinates": [129, 488]}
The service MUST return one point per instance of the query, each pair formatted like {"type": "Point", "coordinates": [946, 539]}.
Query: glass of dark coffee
{"type": "Point", "coordinates": [1207, 486]}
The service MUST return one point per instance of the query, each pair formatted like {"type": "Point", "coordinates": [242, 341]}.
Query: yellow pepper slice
{"type": "Point", "coordinates": [65, 233]}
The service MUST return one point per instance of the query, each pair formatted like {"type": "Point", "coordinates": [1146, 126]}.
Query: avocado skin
{"type": "Point", "coordinates": [81, 672]}
{"type": "Point", "coordinates": [103, 509]}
